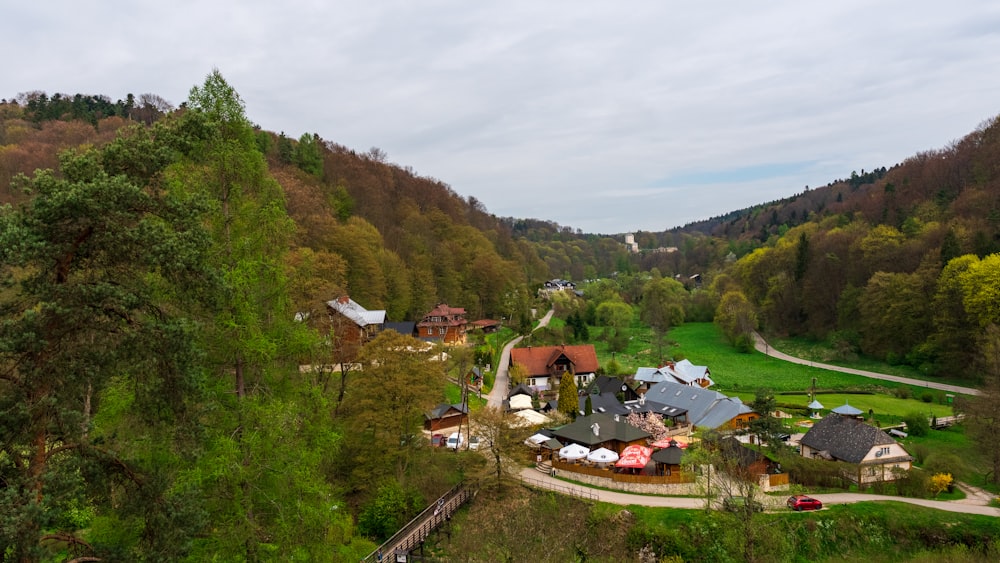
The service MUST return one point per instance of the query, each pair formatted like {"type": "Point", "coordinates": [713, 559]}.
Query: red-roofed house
{"type": "Point", "coordinates": [444, 323]}
{"type": "Point", "coordinates": [544, 365]}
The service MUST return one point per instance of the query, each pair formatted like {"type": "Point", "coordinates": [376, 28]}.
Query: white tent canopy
{"type": "Point", "coordinates": [536, 439]}
{"type": "Point", "coordinates": [530, 418]}
{"type": "Point", "coordinates": [574, 451]}
{"type": "Point", "coordinates": [602, 455]}
{"type": "Point", "coordinates": [520, 402]}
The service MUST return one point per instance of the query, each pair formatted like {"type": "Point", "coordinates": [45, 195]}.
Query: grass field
{"type": "Point", "coordinates": [734, 371]}
{"type": "Point", "coordinates": [703, 344]}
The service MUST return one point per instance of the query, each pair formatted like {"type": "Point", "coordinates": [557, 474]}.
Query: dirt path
{"type": "Point", "coordinates": [763, 347]}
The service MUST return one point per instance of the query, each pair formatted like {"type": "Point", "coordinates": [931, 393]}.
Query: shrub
{"type": "Point", "coordinates": [913, 483]}
{"type": "Point", "coordinates": [940, 482]}
{"type": "Point", "coordinates": [917, 424]}
{"type": "Point", "coordinates": [927, 397]}
{"type": "Point", "coordinates": [944, 463]}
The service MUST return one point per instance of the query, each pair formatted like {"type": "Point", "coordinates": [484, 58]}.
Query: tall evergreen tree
{"type": "Point", "coordinates": [97, 270]}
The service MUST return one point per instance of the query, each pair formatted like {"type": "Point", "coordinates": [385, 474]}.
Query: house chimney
{"type": "Point", "coordinates": [343, 299]}
{"type": "Point", "coordinates": [596, 428]}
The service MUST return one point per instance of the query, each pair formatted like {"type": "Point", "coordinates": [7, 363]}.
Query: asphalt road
{"type": "Point", "coordinates": [974, 503]}
{"type": "Point", "coordinates": [501, 384]}
{"type": "Point", "coordinates": [766, 349]}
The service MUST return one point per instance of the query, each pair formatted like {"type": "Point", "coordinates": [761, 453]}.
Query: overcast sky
{"type": "Point", "coordinates": [608, 117]}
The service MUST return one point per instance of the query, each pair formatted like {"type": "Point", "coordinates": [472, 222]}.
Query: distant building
{"type": "Point", "coordinates": [630, 243]}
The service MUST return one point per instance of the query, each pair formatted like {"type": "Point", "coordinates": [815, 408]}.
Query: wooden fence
{"type": "Point", "coordinates": [608, 473]}
{"type": "Point", "coordinates": [777, 480]}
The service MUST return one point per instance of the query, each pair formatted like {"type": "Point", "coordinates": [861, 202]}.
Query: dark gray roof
{"type": "Point", "coordinates": [581, 432]}
{"type": "Point", "coordinates": [846, 438]}
{"type": "Point", "coordinates": [408, 328]}
{"type": "Point", "coordinates": [440, 410]}
{"type": "Point", "coordinates": [706, 408]}
{"type": "Point", "coordinates": [847, 410]}
{"type": "Point", "coordinates": [605, 384]}
{"type": "Point", "coordinates": [521, 389]}
{"type": "Point", "coordinates": [669, 456]}
{"type": "Point", "coordinates": [605, 403]}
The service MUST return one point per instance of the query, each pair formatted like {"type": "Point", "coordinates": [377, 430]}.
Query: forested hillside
{"type": "Point", "coordinates": [156, 264]}
{"type": "Point", "coordinates": [899, 263]}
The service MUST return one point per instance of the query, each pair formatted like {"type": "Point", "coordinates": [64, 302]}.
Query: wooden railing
{"type": "Point", "coordinates": [416, 530]}
{"type": "Point", "coordinates": [570, 490]}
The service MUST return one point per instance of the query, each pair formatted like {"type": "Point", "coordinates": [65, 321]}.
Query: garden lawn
{"type": "Point", "coordinates": [703, 344]}
{"type": "Point", "coordinates": [886, 408]}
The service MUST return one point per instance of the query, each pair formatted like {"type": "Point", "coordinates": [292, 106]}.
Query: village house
{"type": "Point", "coordinates": [444, 324]}
{"type": "Point", "coordinates": [703, 408]}
{"type": "Point", "coordinates": [849, 439]}
{"type": "Point", "coordinates": [601, 431]}
{"type": "Point", "coordinates": [446, 416]}
{"type": "Point", "coordinates": [683, 372]}
{"type": "Point", "coordinates": [353, 325]}
{"type": "Point", "coordinates": [544, 365]}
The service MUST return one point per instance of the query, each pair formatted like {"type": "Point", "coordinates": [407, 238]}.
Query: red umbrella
{"type": "Point", "coordinates": [635, 457]}
{"type": "Point", "coordinates": [666, 443]}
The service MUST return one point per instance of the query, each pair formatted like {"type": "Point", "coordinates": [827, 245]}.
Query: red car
{"type": "Point", "coordinates": [802, 502]}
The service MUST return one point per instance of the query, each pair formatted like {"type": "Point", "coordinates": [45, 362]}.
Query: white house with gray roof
{"type": "Point", "coordinates": [683, 372]}
{"type": "Point", "coordinates": [846, 438]}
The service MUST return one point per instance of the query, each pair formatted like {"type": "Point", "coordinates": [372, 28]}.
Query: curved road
{"type": "Point", "coordinates": [502, 382]}
{"type": "Point", "coordinates": [766, 349]}
{"type": "Point", "coordinates": [974, 503]}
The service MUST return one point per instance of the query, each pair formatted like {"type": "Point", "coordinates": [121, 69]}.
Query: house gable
{"type": "Point", "coordinates": [848, 439]}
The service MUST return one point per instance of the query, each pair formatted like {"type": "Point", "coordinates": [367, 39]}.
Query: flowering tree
{"type": "Point", "coordinates": [649, 422]}
{"type": "Point", "coordinates": [940, 482]}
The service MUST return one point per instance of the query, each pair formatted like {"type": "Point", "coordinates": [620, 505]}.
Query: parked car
{"type": "Point", "coordinates": [738, 504]}
{"type": "Point", "coordinates": [802, 502]}
{"type": "Point", "coordinates": [437, 440]}
{"type": "Point", "coordinates": [455, 441]}
{"type": "Point", "coordinates": [473, 442]}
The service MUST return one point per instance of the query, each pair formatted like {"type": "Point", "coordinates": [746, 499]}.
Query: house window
{"type": "Point", "coordinates": [441, 331]}
{"type": "Point", "coordinates": [430, 331]}
{"type": "Point", "coordinates": [885, 450]}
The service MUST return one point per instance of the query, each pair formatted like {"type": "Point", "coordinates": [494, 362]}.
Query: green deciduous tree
{"type": "Point", "coordinates": [499, 434]}
{"type": "Point", "coordinates": [983, 411]}
{"type": "Point", "coordinates": [662, 307]}
{"type": "Point", "coordinates": [615, 314]}
{"type": "Point", "coordinates": [385, 406]}
{"type": "Point", "coordinates": [737, 319]}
